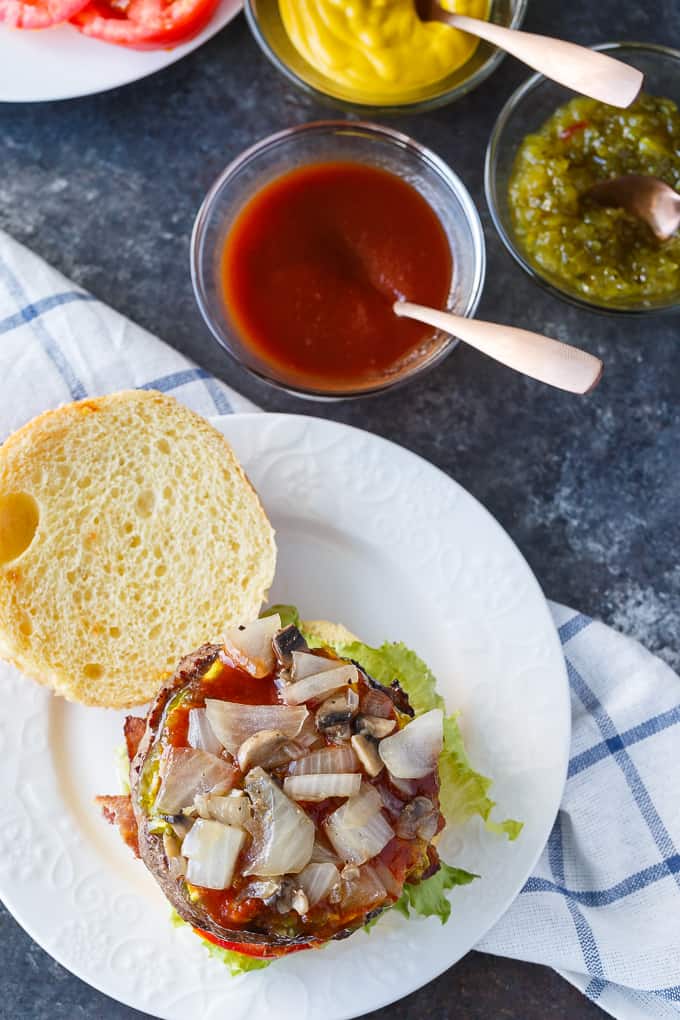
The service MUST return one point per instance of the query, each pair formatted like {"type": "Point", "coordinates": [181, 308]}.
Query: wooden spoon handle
{"type": "Point", "coordinates": [586, 71]}
{"type": "Point", "coordinates": [540, 357]}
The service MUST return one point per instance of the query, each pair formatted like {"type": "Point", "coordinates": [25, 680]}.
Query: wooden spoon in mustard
{"type": "Point", "coordinates": [584, 70]}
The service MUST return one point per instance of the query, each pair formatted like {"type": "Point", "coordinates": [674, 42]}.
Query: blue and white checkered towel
{"type": "Point", "coordinates": [603, 906]}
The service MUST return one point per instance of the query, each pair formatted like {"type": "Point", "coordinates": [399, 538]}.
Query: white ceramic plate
{"type": "Point", "coordinates": [60, 63]}
{"type": "Point", "coordinates": [375, 537]}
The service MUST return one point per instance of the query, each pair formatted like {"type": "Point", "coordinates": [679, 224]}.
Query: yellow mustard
{"type": "Point", "coordinates": [379, 50]}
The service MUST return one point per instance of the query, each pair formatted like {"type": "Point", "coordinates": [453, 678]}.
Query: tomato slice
{"type": "Point", "coordinates": [38, 13]}
{"type": "Point", "coordinates": [144, 24]}
{"type": "Point", "coordinates": [251, 949]}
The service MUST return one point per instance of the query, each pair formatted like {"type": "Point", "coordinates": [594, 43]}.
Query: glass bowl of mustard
{"type": "Point", "coordinates": [371, 58]}
{"type": "Point", "coordinates": [296, 259]}
{"type": "Point", "coordinates": [548, 147]}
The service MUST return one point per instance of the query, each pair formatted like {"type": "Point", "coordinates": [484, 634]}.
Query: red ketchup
{"type": "Point", "coordinates": [314, 263]}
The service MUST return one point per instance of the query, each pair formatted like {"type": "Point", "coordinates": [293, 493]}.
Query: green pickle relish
{"type": "Point", "coordinates": [602, 255]}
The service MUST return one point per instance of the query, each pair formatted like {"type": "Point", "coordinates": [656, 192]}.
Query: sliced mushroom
{"type": "Point", "coordinates": [260, 749]}
{"type": "Point", "coordinates": [180, 824]}
{"type": "Point", "coordinates": [286, 642]}
{"type": "Point", "coordinates": [232, 810]}
{"type": "Point", "coordinates": [265, 889]}
{"type": "Point", "coordinates": [419, 818]}
{"type": "Point", "coordinates": [281, 893]}
{"type": "Point", "coordinates": [339, 734]}
{"type": "Point", "coordinates": [337, 710]}
{"type": "Point", "coordinates": [366, 750]}
{"type": "Point", "coordinates": [374, 726]}
{"type": "Point", "coordinates": [177, 865]}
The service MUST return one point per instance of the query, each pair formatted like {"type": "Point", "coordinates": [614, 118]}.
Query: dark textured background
{"type": "Point", "coordinates": [106, 189]}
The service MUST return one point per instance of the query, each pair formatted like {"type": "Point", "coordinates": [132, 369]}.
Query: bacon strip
{"type": "Point", "coordinates": [133, 731]}
{"type": "Point", "coordinates": [118, 811]}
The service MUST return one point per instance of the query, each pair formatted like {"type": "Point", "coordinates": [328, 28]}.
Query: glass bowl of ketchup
{"type": "Point", "coordinates": [306, 240]}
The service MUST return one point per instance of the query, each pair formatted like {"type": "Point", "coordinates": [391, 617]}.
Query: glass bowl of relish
{"type": "Point", "coordinates": [305, 242]}
{"type": "Point", "coordinates": [548, 147]}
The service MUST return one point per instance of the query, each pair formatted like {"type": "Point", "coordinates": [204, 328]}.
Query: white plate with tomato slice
{"type": "Point", "coordinates": [105, 44]}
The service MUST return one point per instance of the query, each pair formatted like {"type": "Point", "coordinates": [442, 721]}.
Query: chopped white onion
{"type": "Point", "coordinates": [322, 854]}
{"type": "Point", "coordinates": [201, 734]}
{"type": "Point", "coordinates": [319, 684]}
{"type": "Point", "coordinates": [308, 735]}
{"type": "Point", "coordinates": [408, 787]}
{"type": "Point", "coordinates": [414, 751]}
{"type": "Point", "coordinates": [317, 880]}
{"type": "Point", "coordinates": [307, 663]}
{"type": "Point", "coordinates": [283, 835]}
{"type": "Point", "coordinates": [177, 867]}
{"type": "Point", "coordinates": [212, 849]}
{"type": "Point", "coordinates": [232, 810]}
{"type": "Point", "coordinates": [355, 834]}
{"type": "Point", "coordinates": [391, 884]}
{"type": "Point", "coordinates": [299, 902]}
{"type": "Point", "coordinates": [319, 787]}
{"type": "Point", "coordinates": [361, 888]}
{"type": "Point", "coordinates": [250, 646]}
{"type": "Point", "coordinates": [328, 759]}
{"type": "Point", "coordinates": [186, 772]}
{"type": "Point", "coordinates": [233, 723]}
{"type": "Point", "coordinates": [364, 806]}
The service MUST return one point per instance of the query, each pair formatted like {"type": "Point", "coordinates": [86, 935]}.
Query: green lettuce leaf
{"type": "Point", "coordinates": [288, 614]}
{"type": "Point", "coordinates": [463, 791]}
{"type": "Point", "coordinates": [236, 963]}
{"type": "Point", "coordinates": [429, 897]}
{"type": "Point", "coordinates": [396, 661]}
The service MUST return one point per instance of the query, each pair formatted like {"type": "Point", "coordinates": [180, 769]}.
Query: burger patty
{"type": "Point", "coordinates": [171, 762]}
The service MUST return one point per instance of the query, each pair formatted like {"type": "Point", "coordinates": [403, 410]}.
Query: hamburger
{"type": "Point", "coordinates": [279, 794]}
{"type": "Point", "coordinates": [288, 783]}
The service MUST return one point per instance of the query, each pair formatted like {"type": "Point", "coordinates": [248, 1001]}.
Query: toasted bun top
{"type": "Point", "coordinates": [128, 534]}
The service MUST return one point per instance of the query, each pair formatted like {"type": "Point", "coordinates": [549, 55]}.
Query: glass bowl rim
{"type": "Point", "coordinates": [510, 106]}
{"type": "Point", "coordinates": [368, 109]}
{"type": "Point", "coordinates": [399, 141]}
